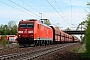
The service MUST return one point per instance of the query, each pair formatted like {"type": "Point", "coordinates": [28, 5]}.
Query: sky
{"type": "Point", "coordinates": [64, 13]}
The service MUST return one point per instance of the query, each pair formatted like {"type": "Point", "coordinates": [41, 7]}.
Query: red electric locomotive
{"type": "Point", "coordinates": [33, 32]}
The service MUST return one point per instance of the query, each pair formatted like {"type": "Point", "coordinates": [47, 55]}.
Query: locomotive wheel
{"type": "Point", "coordinates": [41, 42]}
{"type": "Point", "coordinates": [45, 43]}
{"type": "Point", "coordinates": [36, 43]}
{"type": "Point", "coordinates": [24, 45]}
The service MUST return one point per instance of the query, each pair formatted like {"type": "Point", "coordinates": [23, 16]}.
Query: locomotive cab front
{"type": "Point", "coordinates": [26, 32]}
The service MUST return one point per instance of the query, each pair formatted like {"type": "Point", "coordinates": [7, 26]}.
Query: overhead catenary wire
{"type": "Point", "coordinates": [15, 8]}
{"type": "Point", "coordinates": [27, 9]}
{"type": "Point", "coordinates": [71, 11]}
{"type": "Point", "coordinates": [32, 7]}
{"type": "Point", "coordinates": [29, 5]}
{"type": "Point", "coordinates": [24, 8]}
{"type": "Point", "coordinates": [57, 12]}
{"type": "Point", "coordinates": [60, 9]}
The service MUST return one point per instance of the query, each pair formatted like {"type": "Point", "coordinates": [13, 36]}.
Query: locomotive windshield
{"type": "Point", "coordinates": [22, 26]}
{"type": "Point", "coordinates": [29, 25]}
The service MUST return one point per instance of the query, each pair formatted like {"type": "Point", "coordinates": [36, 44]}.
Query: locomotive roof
{"type": "Point", "coordinates": [28, 20]}
{"type": "Point", "coordinates": [34, 20]}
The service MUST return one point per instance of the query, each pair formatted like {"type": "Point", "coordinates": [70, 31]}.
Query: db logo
{"type": "Point", "coordinates": [25, 31]}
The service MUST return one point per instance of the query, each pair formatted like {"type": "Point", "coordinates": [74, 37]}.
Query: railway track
{"type": "Point", "coordinates": [12, 50]}
{"type": "Point", "coordinates": [32, 54]}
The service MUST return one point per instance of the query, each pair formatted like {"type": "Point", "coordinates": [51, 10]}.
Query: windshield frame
{"type": "Point", "coordinates": [28, 25]}
{"type": "Point", "coordinates": [22, 25]}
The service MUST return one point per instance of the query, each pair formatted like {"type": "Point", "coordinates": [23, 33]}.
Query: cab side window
{"type": "Point", "coordinates": [38, 26]}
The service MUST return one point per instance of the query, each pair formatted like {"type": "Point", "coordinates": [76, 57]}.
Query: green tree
{"type": "Point", "coordinates": [68, 29]}
{"type": "Point", "coordinates": [12, 28]}
{"type": "Point", "coordinates": [46, 21]}
{"type": "Point", "coordinates": [87, 37]}
{"type": "Point", "coordinates": [88, 3]}
{"type": "Point", "coordinates": [83, 24]}
{"type": "Point", "coordinates": [3, 29]}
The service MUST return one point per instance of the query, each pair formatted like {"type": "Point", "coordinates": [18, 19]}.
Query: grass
{"type": "Point", "coordinates": [3, 41]}
{"type": "Point", "coordinates": [82, 48]}
{"type": "Point", "coordinates": [75, 49]}
{"type": "Point", "coordinates": [83, 52]}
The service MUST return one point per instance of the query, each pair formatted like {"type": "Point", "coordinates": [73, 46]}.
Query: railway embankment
{"type": "Point", "coordinates": [73, 52]}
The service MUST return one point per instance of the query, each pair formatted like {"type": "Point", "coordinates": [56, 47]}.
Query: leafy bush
{"type": "Point", "coordinates": [75, 49]}
{"type": "Point", "coordinates": [87, 38]}
{"type": "Point", "coordinates": [3, 41]}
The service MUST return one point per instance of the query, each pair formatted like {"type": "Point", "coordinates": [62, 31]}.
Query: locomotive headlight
{"type": "Point", "coordinates": [20, 31]}
{"type": "Point", "coordinates": [19, 35]}
{"type": "Point", "coordinates": [30, 31]}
